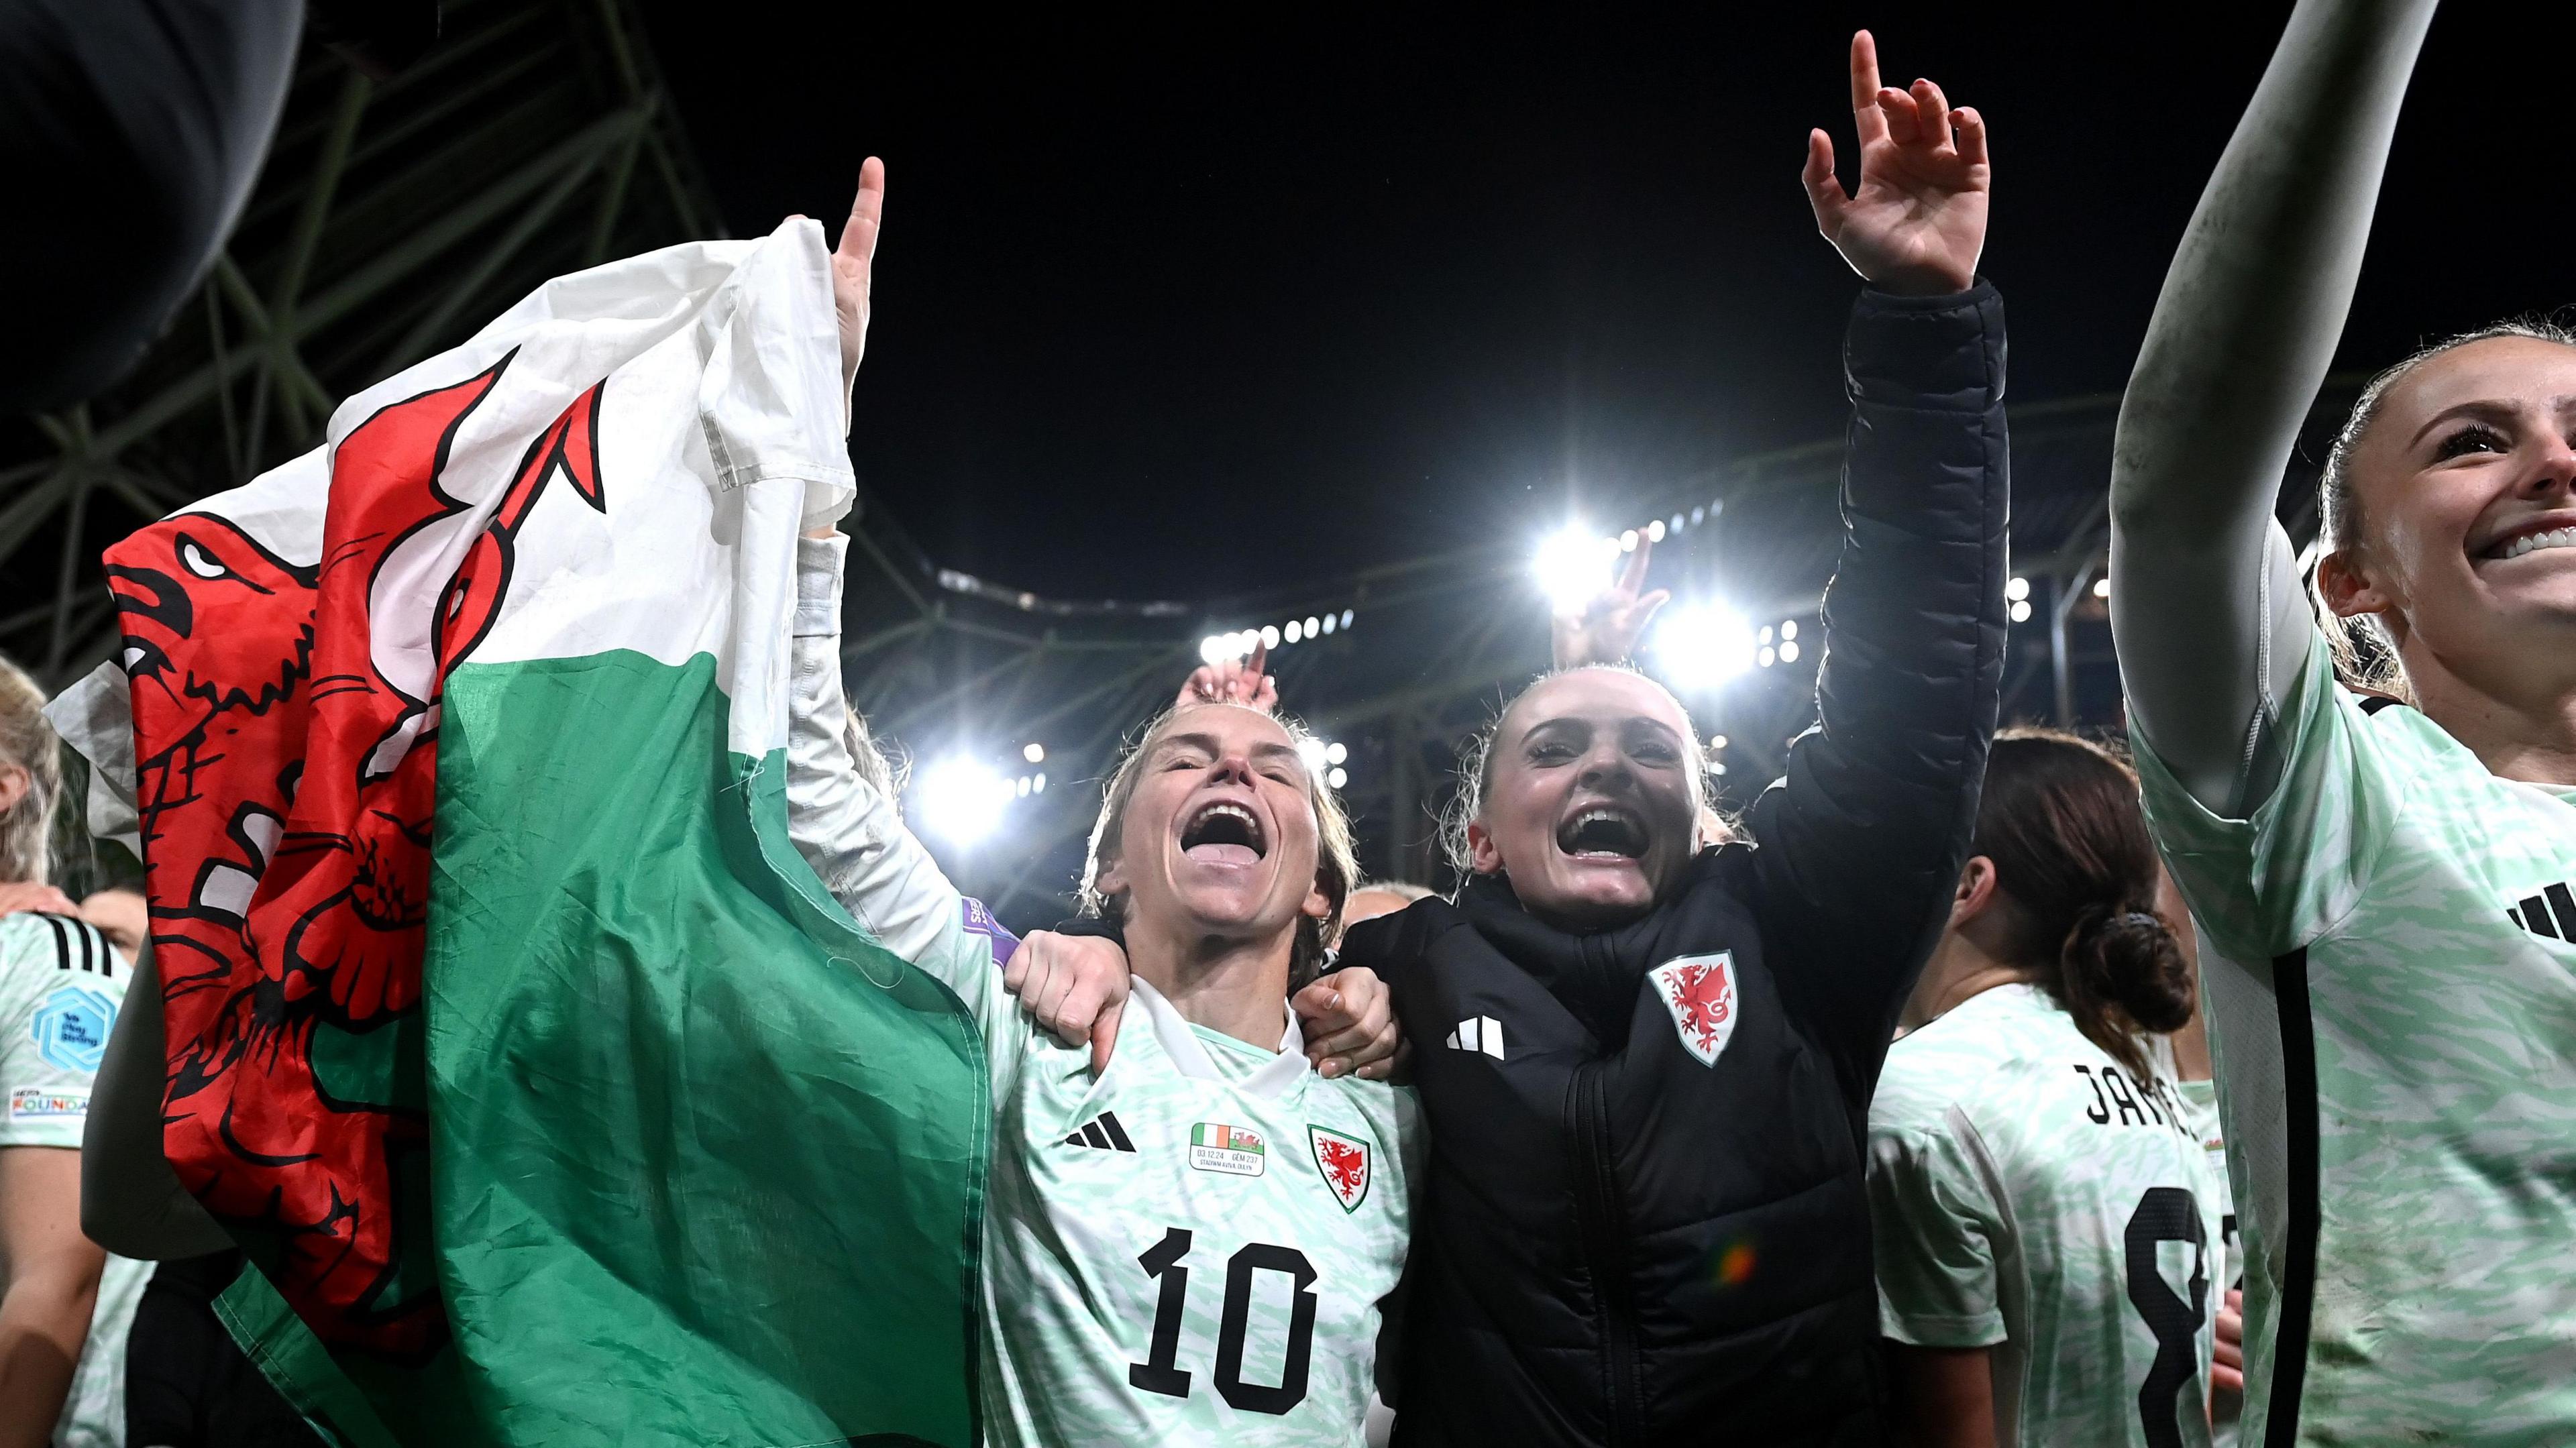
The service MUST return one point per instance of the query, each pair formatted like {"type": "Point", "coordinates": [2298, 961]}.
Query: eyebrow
{"type": "Point", "coordinates": [1208, 744]}
{"type": "Point", "coordinates": [2485, 409]}
{"type": "Point", "coordinates": [1576, 721]}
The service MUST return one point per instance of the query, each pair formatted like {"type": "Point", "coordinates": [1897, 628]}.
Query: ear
{"type": "Point", "coordinates": [1317, 904]}
{"type": "Point", "coordinates": [1483, 855]}
{"type": "Point", "coordinates": [2347, 587]}
{"type": "Point", "coordinates": [1112, 879]}
{"type": "Point", "coordinates": [14, 781]}
{"type": "Point", "coordinates": [1977, 892]}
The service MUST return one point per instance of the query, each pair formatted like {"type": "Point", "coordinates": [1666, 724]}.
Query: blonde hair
{"type": "Point", "coordinates": [2365, 653]}
{"type": "Point", "coordinates": [1476, 772]}
{"type": "Point", "coordinates": [1337, 866]}
{"type": "Point", "coordinates": [28, 742]}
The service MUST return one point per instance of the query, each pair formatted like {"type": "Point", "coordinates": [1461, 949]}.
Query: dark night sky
{"type": "Point", "coordinates": [1172, 306]}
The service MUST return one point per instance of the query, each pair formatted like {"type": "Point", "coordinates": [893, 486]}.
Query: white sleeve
{"type": "Point", "coordinates": [843, 824]}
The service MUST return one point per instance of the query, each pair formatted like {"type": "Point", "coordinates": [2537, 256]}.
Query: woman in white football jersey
{"type": "Point", "coordinates": [2383, 873]}
{"type": "Point", "coordinates": [2046, 1229]}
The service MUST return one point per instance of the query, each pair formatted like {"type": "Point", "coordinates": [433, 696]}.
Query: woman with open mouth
{"type": "Point", "coordinates": [2380, 867]}
{"type": "Point", "coordinates": [1645, 1052]}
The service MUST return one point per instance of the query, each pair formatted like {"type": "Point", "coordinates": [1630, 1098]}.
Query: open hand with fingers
{"type": "Point", "coordinates": [1233, 681]}
{"type": "Point", "coordinates": [1611, 621]}
{"type": "Point", "coordinates": [1918, 219]}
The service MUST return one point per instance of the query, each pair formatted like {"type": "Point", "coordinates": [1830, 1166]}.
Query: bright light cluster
{"type": "Point", "coordinates": [962, 799]}
{"type": "Point", "coordinates": [1572, 565]}
{"type": "Point", "coordinates": [1217, 648]}
{"type": "Point", "coordinates": [1323, 758]}
{"type": "Point", "coordinates": [1699, 646]}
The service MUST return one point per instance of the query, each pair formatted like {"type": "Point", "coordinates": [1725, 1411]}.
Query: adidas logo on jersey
{"type": "Point", "coordinates": [1102, 1132]}
{"type": "Point", "coordinates": [1478, 1033]}
{"type": "Point", "coordinates": [2551, 913]}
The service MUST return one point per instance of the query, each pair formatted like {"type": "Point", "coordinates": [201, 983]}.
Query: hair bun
{"type": "Point", "coordinates": [2132, 958]}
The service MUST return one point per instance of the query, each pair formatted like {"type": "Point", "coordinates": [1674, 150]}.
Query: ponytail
{"type": "Point", "coordinates": [2060, 819]}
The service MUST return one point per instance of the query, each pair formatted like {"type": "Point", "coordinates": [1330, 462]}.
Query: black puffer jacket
{"type": "Point", "coordinates": [1644, 1220]}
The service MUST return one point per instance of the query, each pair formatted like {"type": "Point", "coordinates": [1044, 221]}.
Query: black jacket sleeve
{"type": "Point", "coordinates": [1859, 847]}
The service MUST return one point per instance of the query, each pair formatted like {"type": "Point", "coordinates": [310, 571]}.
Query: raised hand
{"type": "Point", "coordinates": [1917, 222]}
{"type": "Point", "coordinates": [852, 261]}
{"type": "Point", "coordinates": [1233, 681]}
{"type": "Point", "coordinates": [1611, 621]}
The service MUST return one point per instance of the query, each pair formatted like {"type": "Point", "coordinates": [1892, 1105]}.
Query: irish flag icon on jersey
{"type": "Point", "coordinates": [1231, 1150]}
{"type": "Point", "coordinates": [1344, 1161]}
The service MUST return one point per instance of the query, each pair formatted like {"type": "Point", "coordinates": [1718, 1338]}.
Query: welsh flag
{"type": "Point", "coordinates": [550, 1095]}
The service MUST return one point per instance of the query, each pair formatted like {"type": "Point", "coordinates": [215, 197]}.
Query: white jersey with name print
{"type": "Point", "coordinates": [1191, 1249]}
{"type": "Point", "coordinates": [2392, 998]}
{"type": "Point", "coordinates": [2029, 1196]}
{"type": "Point", "coordinates": [61, 984]}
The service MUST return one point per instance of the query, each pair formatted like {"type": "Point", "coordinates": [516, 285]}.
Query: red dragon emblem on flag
{"type": "Point", "coordinates": [285, 723]}
{"type": "Point", "coordinates": [1344, 1161]}
{"type": "Point", "coordinates": [1699, 990]}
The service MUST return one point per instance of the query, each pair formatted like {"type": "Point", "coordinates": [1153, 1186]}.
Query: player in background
{"type": "Point", "coordinates": [2385, 886]}
{"type": "Point", "coordinates": [2183, 1059]}
{"type": "Point", "coordinates": [2046, 1227]}
{"type": "Point", "coordinates": [1192, 1245]}
{"type": "Point", "coordinates": [1647, 1048]}
{"type": "Point", "coordinates": [64, 1304]}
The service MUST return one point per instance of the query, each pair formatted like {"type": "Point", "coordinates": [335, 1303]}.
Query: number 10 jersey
{"type": "Point", "coordinates": [1191, 1249]}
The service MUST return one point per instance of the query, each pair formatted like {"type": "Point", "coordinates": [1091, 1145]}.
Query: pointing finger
{"type": "Point", "coordinates": [1864, 87]}
{"type": "Point", "coordinates": [1633, 576]}
{"type": "Point", "coordinates": [859, 234]}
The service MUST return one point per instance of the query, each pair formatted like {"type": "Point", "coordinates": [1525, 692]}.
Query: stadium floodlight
{"type": "Point", "coordinates": [1788, 652]}
{"type": "Point", "coordinates": [1293, 632]}
{"type": "Point", "coordinates": [1346, 618]}
{"type": "Point", "coordinates": [1336, 752]}
{"type": "Point", "coordinates": [1573, 564]}
{"type": "Point", "coordinates": [1764, 658]}
{"type": "Point", "coordinates": [1211, 648]}
{"type": "Point", "coordinates": [1628, 541]}
{"type": "Point", "coordinates": [1270, 635]}
{"type": "Point", "coordinates": [1338, 778]}
{"type": "Point", "coordinates": [1655, 531]}
{"type": "Point", "coordinates": [1788, 628]}
{"type": "Point", "coordinates": [1329, 620]}
{"type": "Point", "coordinates": [961, 799]}
{"type": "Point", "coordinates": [2102, 588]}
{"type": "Point", "coordinates": [2021, 610]}
{"type": "Point", "coordinates": [1034, 753]}
{"type": "Point", "coordinates": [1312, 627]}
{"type": "Point", "coordinates": [1038, 785]}
{"type": "Point", "coordinates": [1311, 750]}
{"type": "Point", "coordinates": [1717, 741]}
{"type": "Point", "coordinates": [1700, 646]}
{"type": "Point", "coordinates": [2017, 589]}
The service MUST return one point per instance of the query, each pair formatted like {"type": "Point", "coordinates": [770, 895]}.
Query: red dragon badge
{"type": "Point", "coordinates": [1344, 1161]}
{"type": "Point", "coordinates": [1699, 990]}
{"type": "Point", "coordinates": [285, 733]}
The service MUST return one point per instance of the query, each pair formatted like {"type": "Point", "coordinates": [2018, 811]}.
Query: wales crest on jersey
{"type": "Point", "coordinates": [1344, 1161]}
{"type": "Point", "coordinates": [1699, 991]}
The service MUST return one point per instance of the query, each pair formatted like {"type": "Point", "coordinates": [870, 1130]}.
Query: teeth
{"type": "Point", "coordinates": [2534, 542]}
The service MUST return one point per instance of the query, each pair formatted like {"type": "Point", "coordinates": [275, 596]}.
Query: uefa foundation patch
{"type": "Point", "coordinates": [1232, 1150]}
{"type": "Point", "coordinates": [35, 1103]}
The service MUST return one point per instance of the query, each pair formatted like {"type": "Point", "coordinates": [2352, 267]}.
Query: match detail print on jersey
{"type": "Point", "coordinates": [1699, 991]}
{"type": "Point", "coordinates": [1217, 1147]}
{"type": "Point", "coordinates": [1344, 1161]}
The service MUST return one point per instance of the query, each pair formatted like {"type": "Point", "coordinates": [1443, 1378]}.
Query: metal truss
{"type": "Point", "coordinates": [391, 219]}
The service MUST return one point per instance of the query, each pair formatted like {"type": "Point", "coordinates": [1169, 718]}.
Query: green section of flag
{"type": "Point", "coordinates": [707, 1164]}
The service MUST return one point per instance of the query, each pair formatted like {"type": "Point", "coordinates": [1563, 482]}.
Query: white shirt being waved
{"type": "Point", "coordinates": [1191, 1248]}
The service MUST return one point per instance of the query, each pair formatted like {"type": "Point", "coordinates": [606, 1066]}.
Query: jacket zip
{"type": "Point", "coordinates": [1604, 1244]}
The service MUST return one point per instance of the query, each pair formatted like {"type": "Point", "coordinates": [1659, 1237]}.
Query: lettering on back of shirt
{"type": "Point", "coordinates": [2119, 1101]}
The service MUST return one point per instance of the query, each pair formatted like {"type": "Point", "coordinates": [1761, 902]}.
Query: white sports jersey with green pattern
{"type": "Point", "coordinates": [2028, 1195]}
{"type": "Point", "coordinates": [2393, 1018]}
{"type": "Point", "coordinates": [60, 986]}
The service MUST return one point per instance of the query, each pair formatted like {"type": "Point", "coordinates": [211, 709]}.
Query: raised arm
{"type": "Point", "coordinates": [1860, 846]}
{"type": "Point", "coordinates": [843, 817]}
{"type": "Point", "coordinates": [2206, 602]}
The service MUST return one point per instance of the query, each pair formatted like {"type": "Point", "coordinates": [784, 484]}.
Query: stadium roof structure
{"type": "Point", "coordinates": [395, 216]}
